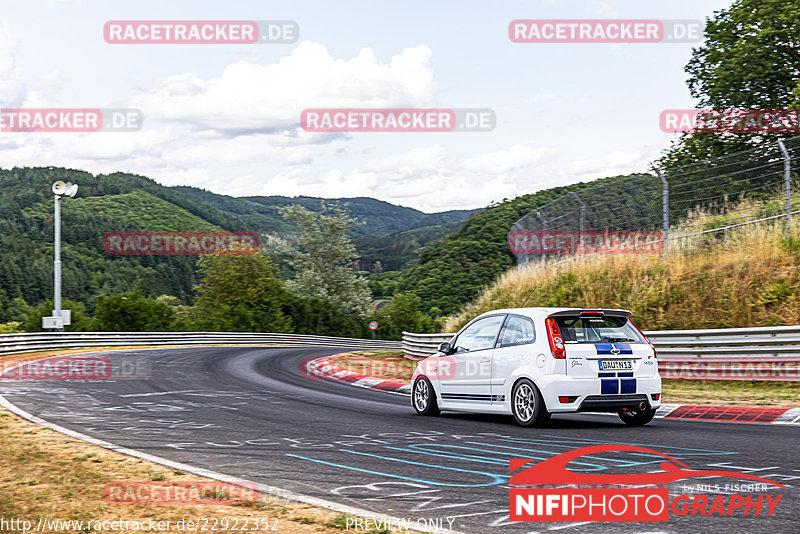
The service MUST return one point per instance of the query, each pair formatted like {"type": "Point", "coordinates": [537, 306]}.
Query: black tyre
{"type": "Point", "coordinates": [423, 397]}
{"type": "Point", "coordinates": [527, 404]}
{"type": "Point", "coordinates": [636, 416]}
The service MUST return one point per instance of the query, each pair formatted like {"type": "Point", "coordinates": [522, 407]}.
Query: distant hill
{"type": "Point", "coordinates": [397, 250]}
{"type": "Point", "coordinates": [379, 217]}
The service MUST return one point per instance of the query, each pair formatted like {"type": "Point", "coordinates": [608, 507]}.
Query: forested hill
{"type": "Point", "coordinates": [453, 271]}
{"type": "Point", "coordinates": [127, 202]}
{"type": "Point", "coordinates": [379, 217]}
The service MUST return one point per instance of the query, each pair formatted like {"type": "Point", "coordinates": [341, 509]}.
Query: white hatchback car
{"type": "Point", "coordinates": [533, 362]}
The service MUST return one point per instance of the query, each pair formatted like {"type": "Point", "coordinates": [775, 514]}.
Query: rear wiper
{"type": "Point", "coordinates": [618, 340]}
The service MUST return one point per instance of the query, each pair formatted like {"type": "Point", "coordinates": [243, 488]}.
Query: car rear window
{"type": "Point", "coordinates": [598, 330]}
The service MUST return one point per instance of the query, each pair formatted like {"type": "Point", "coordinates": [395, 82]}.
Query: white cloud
{"type": "Point", "coordinates": [12, 90]}
{"type": "Point", "coordinates": [423, 158]}
{"type": "Point", "coordinates": [426, 178]}
{"type": "Point", "coordinates": [247, 97]}
{"type": "Point", "coordinates": [502, 161]}
{"type": "Point", "coordinates": [542, 96]}
{"type": "Point", "coordinates": [612, 164]}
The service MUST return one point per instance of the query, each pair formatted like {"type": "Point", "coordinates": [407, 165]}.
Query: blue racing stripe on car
{"type": "Point", "coordinates": [606, 348]}
{"type": "Point", "coordinates": [609, 386]}
{"type": "Point", "coordinates": [627, 385]}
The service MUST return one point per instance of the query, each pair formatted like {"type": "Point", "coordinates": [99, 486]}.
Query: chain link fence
{"type": "Point", "coordinates": [659, 212]}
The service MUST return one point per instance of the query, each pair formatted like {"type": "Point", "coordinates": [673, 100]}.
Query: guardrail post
{"type": "Point", "coordinates": [787, 186]}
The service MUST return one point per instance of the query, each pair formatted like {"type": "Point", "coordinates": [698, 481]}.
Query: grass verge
{"type": "Point", "coordinates": [48, 474]}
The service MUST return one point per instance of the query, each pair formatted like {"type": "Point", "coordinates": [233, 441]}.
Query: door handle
{"type": "Point", "coordinates": [485, 360]}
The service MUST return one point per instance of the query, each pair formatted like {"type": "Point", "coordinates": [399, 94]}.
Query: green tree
{"type": "Point", "coordinates": [184, 316]}
{"type": "Point", "coordinates": [132, 312]}
{"type": "Point", "coordinates": [750, 59]}
{"type": "Point", "coordinates": [322, 258]}
{"type": "Point", "coordinates": [15, 309]}
{"type": "Point", "coordinates": [240, 293]}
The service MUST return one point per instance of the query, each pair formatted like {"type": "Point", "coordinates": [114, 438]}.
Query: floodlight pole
{"type": "Point", "coordinates": [59, 319]}
{"type": "Point", "coordinates": [57, 262]}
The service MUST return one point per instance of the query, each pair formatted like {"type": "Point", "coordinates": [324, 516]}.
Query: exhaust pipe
{"type": "Point", "coordinates": [642, 406]}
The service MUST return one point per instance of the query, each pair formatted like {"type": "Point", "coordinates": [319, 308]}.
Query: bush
{"type": "Point", "coordinates": [11, 327]}
{"type": "Point", "coordinates": [132, 312]}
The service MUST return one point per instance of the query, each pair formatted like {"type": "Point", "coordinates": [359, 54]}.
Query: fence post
{"type": "Point", "coordinates": [582, 220]}
{"type": "Point", "coordinates": [665, 210]}
{"type": "Point", "coordinates": [787, 185]}
{"type": "Point", "coordinates": [544, 221]}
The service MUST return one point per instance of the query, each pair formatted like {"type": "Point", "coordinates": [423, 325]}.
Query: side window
{"type": "Point", "coordinates": [517, 331]}
{"type": "Point", "coordinates": [480, 334]}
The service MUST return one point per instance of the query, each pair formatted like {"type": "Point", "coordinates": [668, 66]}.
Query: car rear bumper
{"type": "Point", "coordinates": [591, 395]}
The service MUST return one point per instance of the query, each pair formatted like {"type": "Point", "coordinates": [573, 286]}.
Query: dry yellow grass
{"type": "Point", "coordinates": [750, 279]}
{"type": "Point", "coordinates": [47, 474]}
{"type": "Point", "coordinates": [732, 393]}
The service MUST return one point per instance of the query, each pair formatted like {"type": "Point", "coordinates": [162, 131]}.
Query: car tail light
{"type": "Point", "coordinates": [656, 396]}
{"type": "Point", "coordinates": [645, 338]}
{"type": "Point", "coordinates": [555, 339]}
{"type": "Point", "coordinates": [592, 313]}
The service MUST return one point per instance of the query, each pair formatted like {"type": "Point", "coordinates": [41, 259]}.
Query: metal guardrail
{"type": "Point", "coordinates": [418, 346]}
{"type": "Point", "coordinates": [760, 353]}
{"type": "Point", "coordinates": [14, 343]}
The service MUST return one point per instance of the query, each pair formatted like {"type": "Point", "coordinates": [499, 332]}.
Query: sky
{"type": "Point", "coordinates": [226, 117]}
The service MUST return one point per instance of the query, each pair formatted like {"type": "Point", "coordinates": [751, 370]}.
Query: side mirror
{"type": "Point", "coordinates": [445, 348]}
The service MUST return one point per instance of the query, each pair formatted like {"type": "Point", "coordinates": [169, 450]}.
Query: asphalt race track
{"type": "Point", "coordinates": [250, 412]}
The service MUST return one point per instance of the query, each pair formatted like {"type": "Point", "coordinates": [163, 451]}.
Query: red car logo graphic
{"type": "Point", "coordinates": [554, 470]}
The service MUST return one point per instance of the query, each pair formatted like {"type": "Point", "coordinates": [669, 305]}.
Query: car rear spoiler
{"type": "Point", "coordinates": [592, 312]}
